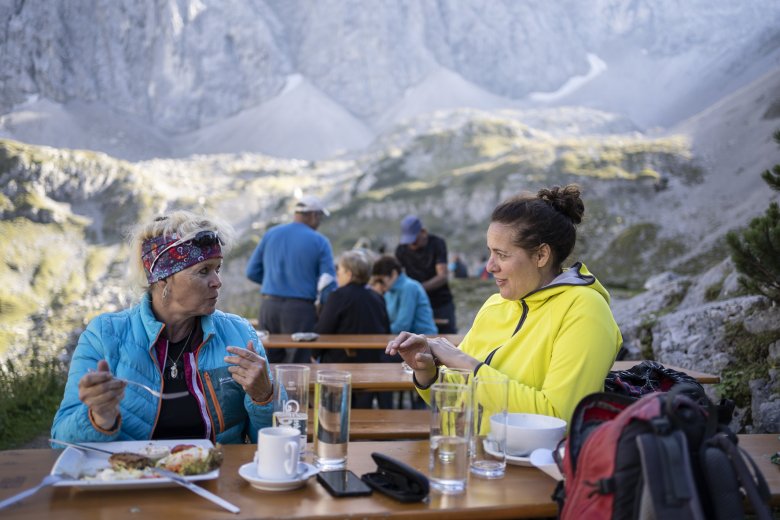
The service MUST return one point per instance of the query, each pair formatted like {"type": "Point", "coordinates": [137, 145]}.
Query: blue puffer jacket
{"type": "Point", "coordinates": [126, 341]}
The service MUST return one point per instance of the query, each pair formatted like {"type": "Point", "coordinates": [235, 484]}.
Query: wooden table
{"type": "Point", "coordinates": [379, 377]}
{"type": "Point", "coordinates": [351, 341]}
{"type": "Point", "coordinates": [385, 424]}
{"type": "Point", "coordinates": [522, 493]}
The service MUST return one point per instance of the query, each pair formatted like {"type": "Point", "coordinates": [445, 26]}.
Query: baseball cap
{"type": "Point", "coordinates": [410, 228]}
{"type": "Point", "coordinates": [310, 204]}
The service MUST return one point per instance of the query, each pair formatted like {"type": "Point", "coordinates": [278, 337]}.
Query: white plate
{"type": "Point", "coordinates": [304, 336]}
{"type": "Point", "coordinates": [249, 473]}
{"type": "Point", "coordinates": [510, 459]}
{"type": "Point", "coordinates": [73, 461]}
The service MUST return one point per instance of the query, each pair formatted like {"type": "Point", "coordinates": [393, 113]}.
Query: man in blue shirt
{"type": "Point", "coordinates": [294, 265]}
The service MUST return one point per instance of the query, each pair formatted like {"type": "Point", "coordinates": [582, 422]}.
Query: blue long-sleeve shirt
{"type": "Point", "coordinates": [409, 308]}
{"type": "Point", "coordinates": [289, 261]}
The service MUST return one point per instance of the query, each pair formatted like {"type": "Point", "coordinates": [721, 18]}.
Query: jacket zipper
{"type": "Point", "coordinates": [162, 379]}
{"type": "Point", "coordinates": [489, 358]}
{"type": "Point", "coordinates": [217, 407]}
{"type": "Point", "coordinates": [200, 383]}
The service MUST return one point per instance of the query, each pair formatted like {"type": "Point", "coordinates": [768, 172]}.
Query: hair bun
{"type": "Point", "coordinates": [566, 200]}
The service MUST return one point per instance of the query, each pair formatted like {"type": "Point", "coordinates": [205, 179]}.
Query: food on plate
{"type": "Point", "coordinates": [192, 460]}
{"type": "Point", "coordinates": [155, 451]}
{"type": "Point", "coordinates": [128, 460]}
{"type": "Point", "coordinates": [111, 474]}
{"type": "Point", "coordinates": [184, 459]}
{"type": "Point", "coordinates": [181, 447]}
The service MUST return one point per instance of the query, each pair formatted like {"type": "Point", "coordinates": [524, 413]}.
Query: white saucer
{"type": "Point", "coordinates": [249, 473]}
{"type": "Point", "coordinates": [542, 458]}
{"type": "Point", "coordinates": [510, 459]}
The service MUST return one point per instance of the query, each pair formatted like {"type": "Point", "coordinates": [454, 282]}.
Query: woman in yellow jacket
{"type": "Point", "coordinates": [550, 330]}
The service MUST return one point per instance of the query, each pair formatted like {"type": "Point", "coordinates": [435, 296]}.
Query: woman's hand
{"type": "Point", "coordinates": [449, 355]}
{"type": "Point", "coordinates": [101, 393]}
{"type": "Point", "coordinates": [249, 370]}
{"type": "Point", "coordinates": [415, 351]}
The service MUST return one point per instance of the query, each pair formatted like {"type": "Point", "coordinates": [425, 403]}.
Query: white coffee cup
{"type": "Point", "coordinates": [277, 453]}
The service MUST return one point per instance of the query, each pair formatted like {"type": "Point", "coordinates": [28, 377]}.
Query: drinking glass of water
{"type": "Point", "coordinates": [488, 444]}
{"type": "Point", "coordinates": [450, 436]}
{"type": "Point", "coordinates": [291, 398]}
{"type": "Point", "coordinates": [332, 402]}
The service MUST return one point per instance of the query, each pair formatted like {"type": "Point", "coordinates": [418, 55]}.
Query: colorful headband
{"type": "Point", "coordinates": [165, 255]}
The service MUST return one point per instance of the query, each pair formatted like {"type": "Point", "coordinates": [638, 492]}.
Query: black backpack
{"type": "Point", "coordinates": [662, 457]}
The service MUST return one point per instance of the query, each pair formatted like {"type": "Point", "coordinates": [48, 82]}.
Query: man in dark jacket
{"type": "Point", "coordinates": [424, 258]}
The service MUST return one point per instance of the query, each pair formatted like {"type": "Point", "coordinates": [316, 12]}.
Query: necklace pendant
{"type": "Point", "coordinates": [174, 371]}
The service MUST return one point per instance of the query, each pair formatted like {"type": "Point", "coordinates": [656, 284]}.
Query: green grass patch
{"type": "Point", "coordinates": [98, 262]}
{"type": "Point", "coordinates": [15, 307]}
{"type": "Point", "coordinates": [712, 292]}
{"type": "Point", "coordinates": [751, 356]}
{"type": "Point", "coordinates": [48, 273]}
{"type": "Point", "coordinates": [704, 261]}
{"type": "Point", "coordinates": [469, 294]}
{"type": "Point", "coordinates": [243, 249]}
{"type": "Point", "coordinates": [635, 252]}
{"type": "Point", "coordinates": [31, 392]}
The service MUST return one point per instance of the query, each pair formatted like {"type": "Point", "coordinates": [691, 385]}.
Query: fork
{"type": "Point", "coordinates": [48, 480]}
{"type": "Point", "coordinates": [148, 389]}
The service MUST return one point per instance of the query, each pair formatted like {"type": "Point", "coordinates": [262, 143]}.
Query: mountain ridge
{"type": "Point", "coordinates": [153, 68]}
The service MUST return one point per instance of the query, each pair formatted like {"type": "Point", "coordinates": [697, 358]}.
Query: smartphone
{"type": "Point", "coordinates": [343, 483]}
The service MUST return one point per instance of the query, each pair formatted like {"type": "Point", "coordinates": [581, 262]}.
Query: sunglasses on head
{"type": "Point", "coordinates": [201, 240]}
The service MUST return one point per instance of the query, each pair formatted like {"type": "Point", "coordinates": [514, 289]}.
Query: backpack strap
{"type": "Point", "coordinates": [754, 483]}
{"type": "Point", "coordinates": [668, 478]}
{"type": "Point", "coordinates": [720, 484]}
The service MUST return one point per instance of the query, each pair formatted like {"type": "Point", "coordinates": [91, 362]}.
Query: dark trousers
{"type": "Point", "coordinates": [287, 316]}
{"type": "Point", "coordinates": [446, 312]}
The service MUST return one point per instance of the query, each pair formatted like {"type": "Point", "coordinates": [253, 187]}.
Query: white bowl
{"type": "Point", "coordinates": [526, 432]}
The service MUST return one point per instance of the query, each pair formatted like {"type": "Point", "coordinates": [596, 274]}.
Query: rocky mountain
{"type": "Point", "coordinates": [662, 111]}
{"type": "Point", "coordinates": [140, 79]}
{"type": "Point", "coordinates": [655, 204]}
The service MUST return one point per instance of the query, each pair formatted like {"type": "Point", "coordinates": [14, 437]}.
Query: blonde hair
{"type": "Point", "coordinates": [358, 263]}
{"type": "Point", "coordinates": [181, 222]}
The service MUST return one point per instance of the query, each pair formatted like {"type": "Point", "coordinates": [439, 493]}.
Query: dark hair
{"type": "Point", "coordinates": [549, 217]}
{"type": "Point", "coordinates": [386, 265]}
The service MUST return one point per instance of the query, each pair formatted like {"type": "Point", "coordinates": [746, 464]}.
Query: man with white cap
{"type": "Point", "coordinates": [424, 258]}
{"type": "Point", "coordinates": [294, 265]}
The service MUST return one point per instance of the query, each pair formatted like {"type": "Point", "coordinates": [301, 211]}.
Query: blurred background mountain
{"type": "Point", "coordinates": [114, 110]}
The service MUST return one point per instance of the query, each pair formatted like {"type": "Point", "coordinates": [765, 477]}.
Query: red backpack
{"type": "Point", "coordinates": [663, 456]}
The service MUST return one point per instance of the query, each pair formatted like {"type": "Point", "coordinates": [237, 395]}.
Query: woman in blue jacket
{"type": "Point", "coordinates": [209, 366]}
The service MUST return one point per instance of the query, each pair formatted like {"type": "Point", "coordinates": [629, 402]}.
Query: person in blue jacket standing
{"type": "Point", "coordinates": [294, 265]}
{"type": "Point", "coordinates": [208, 365]}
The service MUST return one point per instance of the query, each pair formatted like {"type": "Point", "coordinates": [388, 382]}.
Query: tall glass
{"type": "Point", "coordinates": [488, 439]}
{"type": "Point", "coordinates": [332, 401]}
{"type": "Point", "coordinates": [291, 398]}
{"type": "Point", "coordinates": [450, 434]}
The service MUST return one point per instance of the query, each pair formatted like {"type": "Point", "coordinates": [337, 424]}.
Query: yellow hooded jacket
{"type": "Point", "coordinates": [556, 344]}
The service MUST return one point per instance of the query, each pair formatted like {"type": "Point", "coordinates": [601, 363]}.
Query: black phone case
{"type": "Point", "coordinates": [397, 480]}
{"type": "Point", "coordinates": [342, 494]}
